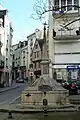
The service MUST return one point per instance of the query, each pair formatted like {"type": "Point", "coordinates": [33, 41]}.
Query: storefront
{"type": "Point", "coordinates": [73, 72]}
{"type": "Point", "coordinates": [66, 72]}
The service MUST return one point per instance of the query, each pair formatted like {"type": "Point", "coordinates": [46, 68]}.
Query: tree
{"type": "Point", "coordinates": [41, 7]}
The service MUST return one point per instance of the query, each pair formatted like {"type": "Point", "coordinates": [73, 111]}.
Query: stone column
{"type": "Point", "coordinates": [45, 60]}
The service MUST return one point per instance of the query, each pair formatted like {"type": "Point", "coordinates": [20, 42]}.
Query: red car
{"type": "Point", "coordinates": [72, 88]}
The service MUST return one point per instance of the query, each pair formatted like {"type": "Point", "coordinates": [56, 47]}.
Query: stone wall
{"type": "Point", "coordinates": [37, 97]}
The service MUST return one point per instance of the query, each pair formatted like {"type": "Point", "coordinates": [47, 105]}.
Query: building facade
{"type": "Point", "coordinates": [6, 39]}
{"type": "Point", "coordinates": [36, 59]}
{"type": "Point", "coordinates": [1, 68]}
{"type": "Point", "coordinates": [64, 39]}
{"type": "Point", "coordinates": [19, 61]}
{"type": "Point", "coordinates": [31, 41]}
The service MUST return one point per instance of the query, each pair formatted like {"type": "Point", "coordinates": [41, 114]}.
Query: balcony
{"type": "Point", "coordinates": [70, 34]}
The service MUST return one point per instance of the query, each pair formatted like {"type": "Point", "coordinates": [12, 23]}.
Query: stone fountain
{"type": "Point", "coordinates": [44, 90]}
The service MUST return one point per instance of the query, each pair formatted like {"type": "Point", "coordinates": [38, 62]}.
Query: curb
{"type": "Point", "coordinates": [9, 89]}
{"type": "Point", "coordinates": [36, 111]}
{"type": "Point", "coordinates": [41, 110]}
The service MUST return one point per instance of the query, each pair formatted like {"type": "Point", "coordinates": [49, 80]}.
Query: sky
{"type": "Point", "coordinates": [19, 14]}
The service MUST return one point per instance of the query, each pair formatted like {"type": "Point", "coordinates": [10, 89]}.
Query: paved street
{"type": "Point", "coordinates": [41, 116]}
{"type": "Point", "coordinates": [74, 99]}
{"type": "Point", "coordinates": [11, 96]}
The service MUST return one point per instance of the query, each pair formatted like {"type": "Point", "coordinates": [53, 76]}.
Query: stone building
{"type": "Point", "coordinates": [64, 39]}
{"type": "Point", "coordinates": [36, 59]}
{"type": "Point", "coordinates": [1, 68]}
{"type": "Point", "coordinates": [19, 61]}
{"type": "Point", "coordinates": [6, 39]}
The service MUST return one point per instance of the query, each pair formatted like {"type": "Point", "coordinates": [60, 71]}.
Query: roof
{"type": "Point", "coordinates": [31, 35]}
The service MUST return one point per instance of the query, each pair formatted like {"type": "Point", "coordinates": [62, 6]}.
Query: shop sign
{"type": "Point", "coordinates": [73, 67]}
{"type": "Point", "coordinates": [59, 75]}
{"type": "Point", "coordinates": [74, 75]}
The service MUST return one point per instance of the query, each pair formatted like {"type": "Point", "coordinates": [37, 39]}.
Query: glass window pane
{"type": "Point", "coordinates": [63, 3]}
{"type": "Point", "coordinates": [56, 3]}
{"type": "Point", "coordinates": [69, 3]}
{"type": "Point", "coordinates": [76, 2]}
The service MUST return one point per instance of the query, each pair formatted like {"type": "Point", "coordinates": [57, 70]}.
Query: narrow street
{"type": "Point", "coordinates": [11, 96]}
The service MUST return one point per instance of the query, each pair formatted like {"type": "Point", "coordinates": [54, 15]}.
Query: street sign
{"type": "Point", "coordinates": [73, 67]}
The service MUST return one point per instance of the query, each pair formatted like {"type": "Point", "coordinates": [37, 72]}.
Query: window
{"type": "Point", "coordinates": [23, 54]}
{"type": "Point", "coordinates": [23, 63]}
{"type": "Point", "coordinates": [34, 65]}
{"type": "Point", "coordinates": [37, 54]}
{"type": "Point", "coordinates": [26, 43]}
{"type": "Point", "coordinates": [7, 49]}
{"type": "Point", "coordinates": [36, 46]}
{"type": "Point", "coordinates": [31, 49]}
{"type": "Point", "coordinates": [31, 44]}
{"type": "Point", "coordinates": [56, 3]}
{"type": "Point", "coordinates": [7, 62]}
{"type": "Point", "coordinates": [13, 56]}
{"type": "Point", "coordinates": [69, 3]}
{"type": "Point", "coordinates": [63, 3]}
{"type": "Point", "coordinates": [76, 2]}
{"type": "Point", "coordinates": [39, 64]}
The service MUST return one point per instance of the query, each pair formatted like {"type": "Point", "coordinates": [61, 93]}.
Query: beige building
{"type": "Point", "coordinates": [36, 52]}
{"type": "Point", "coordinates": [19, 62]}
{"type": "Point", "coordinates": [1, 68]}
{"type": "Point", "coordinates": [64, 50]}
{"type": "Point", "coordinates": [36, 59]}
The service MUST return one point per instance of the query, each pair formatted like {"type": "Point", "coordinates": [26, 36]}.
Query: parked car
{"type": "Point", "coordinates": [78, 86]}
{"type": "Point", "coordinates": [70, 85]}
{"type": "Point", "coordinates": [19, 80]}
{"type": "Point", "coordinates": [65, 84]}
{"type": "Point", "coordinates": [72, 88]}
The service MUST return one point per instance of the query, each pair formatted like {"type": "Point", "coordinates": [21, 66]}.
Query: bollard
{"type": "Point", "coordinates": [9, 114]}
{"type": "Point", "coordinates": [45, 112]}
